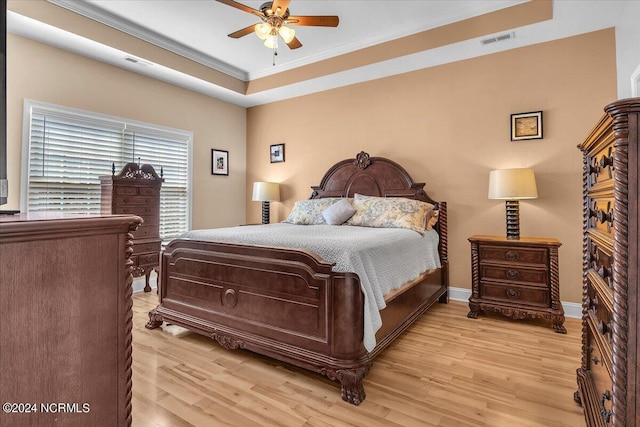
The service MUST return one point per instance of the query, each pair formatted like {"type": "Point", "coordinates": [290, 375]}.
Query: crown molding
{"type": "Point", "coordinates": [122, 24]}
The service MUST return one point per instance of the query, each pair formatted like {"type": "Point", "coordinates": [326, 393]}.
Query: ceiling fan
{"type": "Point", "coordinates": [275, 18]}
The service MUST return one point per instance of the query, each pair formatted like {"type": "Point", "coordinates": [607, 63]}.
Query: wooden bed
{"type": "Point", "coordinates": [288, 304]}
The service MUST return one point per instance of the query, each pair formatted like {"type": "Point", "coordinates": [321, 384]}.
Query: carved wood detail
{"type": "Point", "coordinates": [610, 283]}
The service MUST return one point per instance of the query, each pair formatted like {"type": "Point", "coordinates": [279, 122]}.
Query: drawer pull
{"type": "Point", "coordinates": [606, 415]}
{"type": "Point", "coordinates": [511, 255]}
{"type": "Point", "coordinates": [512, 274]}
{"type": "Point", "coordinates": [512, 293]}
{"type": "Point", "coordinates": [595, 360]}
{"type": "Point", "coordinates": [603, 328]}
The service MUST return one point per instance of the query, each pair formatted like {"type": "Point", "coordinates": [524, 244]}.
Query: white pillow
{"type": "Point", "coordinates": [339, 212]}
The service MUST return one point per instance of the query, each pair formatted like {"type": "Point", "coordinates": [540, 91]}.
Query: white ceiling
{"type": "Point", "coordinates": [197, 29]}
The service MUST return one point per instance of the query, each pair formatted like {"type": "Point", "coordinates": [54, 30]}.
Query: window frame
{"type": "Point", "coordinates": [28, 107]}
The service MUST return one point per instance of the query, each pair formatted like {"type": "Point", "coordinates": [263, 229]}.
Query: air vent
{"type": "Point", "coordinates": [136, 60]}
{"type": "Point", "coordinates": [498, 38]}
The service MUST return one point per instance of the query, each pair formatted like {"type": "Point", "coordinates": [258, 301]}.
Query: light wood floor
{"type": "Point", "coordinates": [446, 370]}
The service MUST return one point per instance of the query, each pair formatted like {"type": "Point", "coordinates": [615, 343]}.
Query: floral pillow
{"type": "Point", "coordinates": [309, 212]}
{"type": "Point", "coordinates": [390, 212]}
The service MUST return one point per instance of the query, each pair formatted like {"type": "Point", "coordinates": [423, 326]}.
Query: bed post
{"type": "Point", "coordinates": [443, 249]}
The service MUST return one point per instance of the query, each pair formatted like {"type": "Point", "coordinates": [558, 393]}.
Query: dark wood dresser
{"type": "Point", "coordinates": [136, 190]}
{"type": "Point", "coordinates": [609, 375]}
{"type": "Point", "coordinates": [517, 278]}
{"type": "Point", "coordinates": [66, 319]}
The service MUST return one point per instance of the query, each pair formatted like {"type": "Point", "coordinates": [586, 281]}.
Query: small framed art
{"type": "Point", "coordinates": [219, 162]}
{"type": "Point", "coordinates": [277, 153]}
{"type": "Point", "coordinates": [526, 126]}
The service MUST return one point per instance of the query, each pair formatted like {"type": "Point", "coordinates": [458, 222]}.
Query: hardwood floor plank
{"type": "Point", "coordinates": [446, 370]}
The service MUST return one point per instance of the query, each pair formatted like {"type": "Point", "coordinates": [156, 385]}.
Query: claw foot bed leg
{"type": "Point", "coordinates": [155, 320]}
{"type": "Point", "coordinates": [352, 387]}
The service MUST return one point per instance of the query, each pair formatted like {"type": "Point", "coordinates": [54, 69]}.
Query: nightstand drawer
{"type": "Point", "coordinates": [515, 274]}
{"type": "Point", "coordinates": [534, 256]}
{"type": "Point", "coordinates": [516, 277]}
{"type": "Point", "coordinates": [511, 293]}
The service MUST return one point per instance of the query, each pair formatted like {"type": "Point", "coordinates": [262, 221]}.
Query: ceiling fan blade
{"type": "Point", "coordinates": [243, 32]}
{"type": "Point", "coordinates": [314, 21]}
{"type": "Point", "coordinates": [282, 4]}
{"type": "Point", "coordinates": [241, 7]}
{"type": "Point", "coordinates": [294, 43]}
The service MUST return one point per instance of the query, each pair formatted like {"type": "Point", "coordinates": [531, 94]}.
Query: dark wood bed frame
{"type": "Point", "coordinates": [288, 304]}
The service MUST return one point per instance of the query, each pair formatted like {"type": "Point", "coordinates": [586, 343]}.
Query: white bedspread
{"type": "Point", "coordinates": [383, 258]}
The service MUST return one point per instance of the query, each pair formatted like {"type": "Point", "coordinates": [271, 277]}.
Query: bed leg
{"type": "Point", "coordinates": [351, 381]}
{"type": "Point", "coordinates": [444, 299]}
{"type": "Point", "coordinates": [155, 320]}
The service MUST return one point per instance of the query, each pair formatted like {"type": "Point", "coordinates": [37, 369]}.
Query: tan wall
{"type": "Point", "coordinates": [44, 73]}
{"type": "Point", "coordinates": [449, 126]}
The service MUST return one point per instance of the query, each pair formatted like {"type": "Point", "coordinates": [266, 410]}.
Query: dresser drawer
{"type": "Point", "coordinates": [136, 210]}
{"type": "Point", "coordinates": [146, 260]}
{"type": "Point", "coordinates": [136, 200]}
{"type": "Point", "coordinates": [128, 191]}
{"type": "Point", "coordinates": [514, 274]}
{"type": "Point", "coordinates": [146, 231]}
{"type": "Point", "coordinates": [510, 293]}
{"type": "Point", "coordinates": [149, 191]}
{"type": "Point", "coordinates": [140, 248]}
{"type": "Point", "coordinates": [600, 370]}
{"type": "Point", "coordinates": [600, 262]}
{"type": "Point", "coordinates": [533, 256]}
{"type": "Point", "coordinates": [600, 316]}
{"type": "Point", "coordinates": [601, 216]}
{"type": "Point", "coordinates": [601, 165]}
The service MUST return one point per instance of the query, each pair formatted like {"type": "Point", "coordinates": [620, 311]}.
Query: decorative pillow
{"type": "Point", "coordinates": [309, 212]}
{"type": "Point", "coordinates": [339, 212]}
{"type": "Point", "coordinates": [390, 212]}
{"type": "Point", "coordinates": [432, 219]}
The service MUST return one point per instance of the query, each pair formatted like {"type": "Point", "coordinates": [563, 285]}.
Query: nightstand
{"type": "Point", "coordinates": [517, 278]}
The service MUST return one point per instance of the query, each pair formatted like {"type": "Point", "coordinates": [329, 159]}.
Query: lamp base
{"type": "Point", "coordinates": [266, 217]}
{"type": "Point", "coordinates": [513, 219]}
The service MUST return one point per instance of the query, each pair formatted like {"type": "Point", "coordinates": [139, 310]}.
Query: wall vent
{"type": "Point", "coordinates": [498, 38]}
{"type": "Point", "coordinates": [136, 60]}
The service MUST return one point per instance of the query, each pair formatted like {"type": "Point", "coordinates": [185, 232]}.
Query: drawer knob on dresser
{"type": "Point", "coordinates": [512, 293]}
{"type": "Point", "coordinates": [603, 328]}
{"type": "Point", "coordinates": [511, 256]}
{"type": "Point", "coordinates": [606, 415]}
{"type": "Point", "coordinates": [595, 360]}
{"type": "Point", "coordinates": [594, 167]}
{"type": "Point", "coordinates": [512, 274]}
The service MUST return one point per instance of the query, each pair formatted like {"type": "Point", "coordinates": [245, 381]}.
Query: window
{"type": "Point", "coordinates": [68, 150]}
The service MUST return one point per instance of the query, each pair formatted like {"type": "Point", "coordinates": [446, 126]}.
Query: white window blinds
{"type": "Point", "coordinates": [68, 151]}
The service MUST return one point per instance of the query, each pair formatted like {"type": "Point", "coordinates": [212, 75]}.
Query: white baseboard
{"type": "Point", "coordinates": [571, 309]}
{"type": "Point", "coordinates": [138, 283]}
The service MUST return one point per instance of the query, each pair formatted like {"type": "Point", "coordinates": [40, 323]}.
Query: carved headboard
{"type": "Point", "coordinates": [381, 177]}
{"type": "Point", "coordinates": [371, 176]}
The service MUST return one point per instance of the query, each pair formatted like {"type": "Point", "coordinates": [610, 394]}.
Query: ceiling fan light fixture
{"type": "Point", "coordinates": [286, 33]}
{"type": "Point", "coordinates": [263, 30]}
{"type": "Point", "coordinates": [272, 41]}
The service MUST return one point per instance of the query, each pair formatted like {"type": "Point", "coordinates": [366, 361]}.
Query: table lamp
{"type": "Point", "coordinates": [512, 185]}
{"type": "Point", "coordinates": [266, 192]}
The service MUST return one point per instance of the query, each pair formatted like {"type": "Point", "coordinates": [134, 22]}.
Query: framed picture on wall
{"type": "Point", "coordinates": [219, 162]}
{"type": "Point", "coordinates": [277, 153]}
{"type": "Point", "coordinates": [526, 126]}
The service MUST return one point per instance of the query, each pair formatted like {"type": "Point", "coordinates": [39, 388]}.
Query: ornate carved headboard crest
{"type": "Point", "coordinates": [362, 160]}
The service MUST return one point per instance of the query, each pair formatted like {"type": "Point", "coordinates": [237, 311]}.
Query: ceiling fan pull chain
{"type": "Point", "coordinates": [275, 53]}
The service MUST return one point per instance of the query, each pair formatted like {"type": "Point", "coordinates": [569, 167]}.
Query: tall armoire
{"type": "Point", "coordinates": [136, 191]}
{"type": "Point", "coordinates": [609, 375]}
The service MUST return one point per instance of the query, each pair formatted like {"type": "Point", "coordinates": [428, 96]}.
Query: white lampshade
{"type": "Point", "coordinates": [263, 30]}
{"type": "Point", "coordinates": [512, 184]}
{"type": "Point", "coordinates": [286, 33]}
{"type": "Point", "coordinates": [272, 41]}
{"type": "Point", "coordinates": [266, 192]}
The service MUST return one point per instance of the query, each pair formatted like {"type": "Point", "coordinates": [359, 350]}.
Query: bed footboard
{"type": "Point", "coordinates": [282, 303]}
